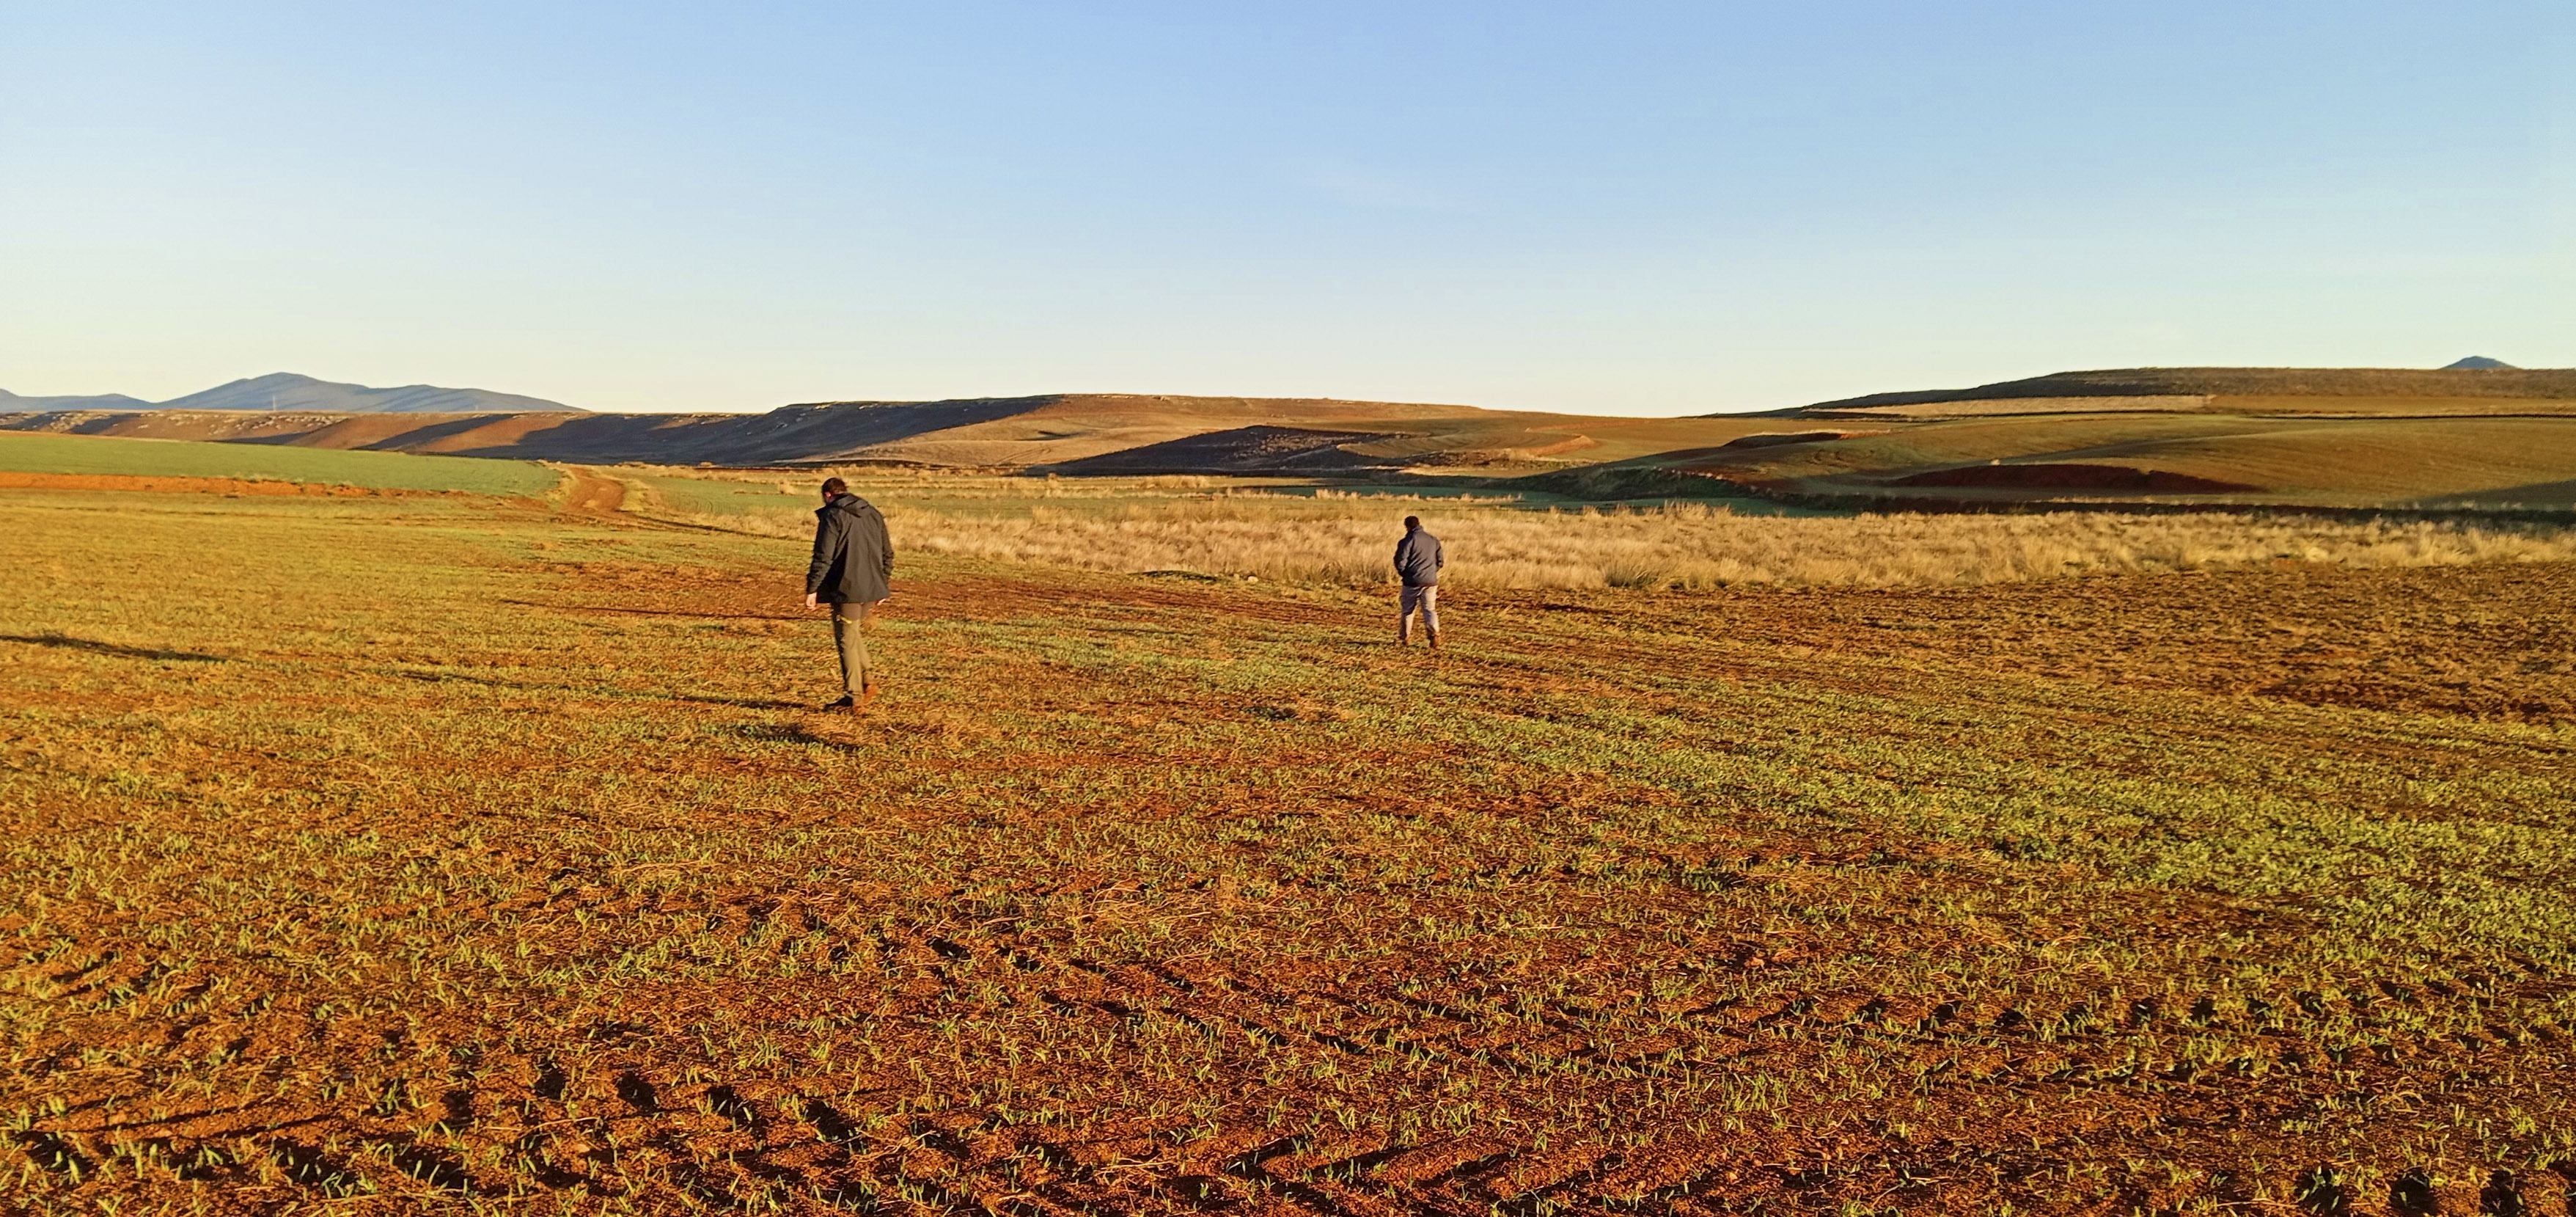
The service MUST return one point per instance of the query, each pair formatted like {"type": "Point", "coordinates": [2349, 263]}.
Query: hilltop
{"type": "Point", "coordinates": [11, 402]}
{"type": "Point", "coordinates": [288, 391]}
{"type": "Point", "coordinates": [2464, 388]}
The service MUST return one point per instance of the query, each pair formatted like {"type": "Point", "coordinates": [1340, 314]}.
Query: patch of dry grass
{"type": "Point", "coordinates": [1197, 524]}
{"type": "Point", "coordinates": [1691, 547]}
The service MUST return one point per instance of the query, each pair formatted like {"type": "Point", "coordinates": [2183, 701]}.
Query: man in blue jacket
{"type": "Point", "coordinates": [853, 561]}
{"type": "Point", "coordinates": [1417, 564]}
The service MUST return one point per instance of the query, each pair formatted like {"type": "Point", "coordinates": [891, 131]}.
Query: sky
{"type": "Point", "coordinates": [1615, 208]}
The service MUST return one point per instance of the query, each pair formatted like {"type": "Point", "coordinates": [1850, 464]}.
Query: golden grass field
{"type": "Point", "coordinates": [437, 853]}
{"type": "Point", "coordinates": [1287, 532]}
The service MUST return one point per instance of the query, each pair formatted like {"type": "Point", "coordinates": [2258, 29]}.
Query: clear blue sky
{"type": "Point", "coordinates": [1599, 207]}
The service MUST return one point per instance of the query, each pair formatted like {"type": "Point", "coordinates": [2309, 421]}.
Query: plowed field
{"type": "Point", "coordinates": [426, 854]}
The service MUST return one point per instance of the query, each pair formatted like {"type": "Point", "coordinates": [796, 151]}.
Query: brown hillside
{"type": "Point", "coordinates": [2284, 448]}
{"type": "Point", "coordinates": [1259, 449]}
{"type": "Point", "coordinates": [2389, 389]}
{"type": "Point", "coordinates": [2388, 462]}
{"type": "Point", "coordinates": [1059, 431]}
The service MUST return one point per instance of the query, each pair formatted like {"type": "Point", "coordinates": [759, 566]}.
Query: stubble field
{"type": "Point", "coordinates": [428, 854]}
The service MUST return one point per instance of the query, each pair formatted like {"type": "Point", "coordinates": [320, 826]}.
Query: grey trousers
{"type": "Point", "coordinates": [1426, 599]}
{"type": "Point", "coordinates": [849, 633]}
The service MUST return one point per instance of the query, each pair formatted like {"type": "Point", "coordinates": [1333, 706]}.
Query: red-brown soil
{"type": "Point", "coordinates": [2494, 641]}
{"type": "Point", "coordinates": [1144, 896]}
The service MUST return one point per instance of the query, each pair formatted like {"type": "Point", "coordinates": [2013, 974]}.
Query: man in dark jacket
{"type": "Point", "coordinates": [852, 562]}
{"type": "Point", "coordinates": [1417, 564]}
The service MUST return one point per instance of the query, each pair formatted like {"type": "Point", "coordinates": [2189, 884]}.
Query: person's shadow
{"type": "Point", "coordinates": [94, 647]}
{"type": "Point", "coordinates": [748, 703]}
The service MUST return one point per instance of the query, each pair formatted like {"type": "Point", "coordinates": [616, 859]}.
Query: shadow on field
{"type": "Point", "coordinates": [748, 703]}
{"type": "Point", "coordinates": [638, 612]}
{"type": "Point", "coordinates": [437, 678]}
{"type": "Point", "coordinates": [569, 691]}
{"type": "Point", "coordinates": [66, 642]}
{"type": "Point", "coordinates": [836, 730]}
{"type": "Point", "coordinates": [786, 733]}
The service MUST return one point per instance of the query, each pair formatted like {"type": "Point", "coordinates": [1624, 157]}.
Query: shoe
{"type": "Point", "coordinates": [1435, 640]}
{"type": "Point", "coordinates": [866, 695]}
{"type": "Point", "coordinates": [844, 704]}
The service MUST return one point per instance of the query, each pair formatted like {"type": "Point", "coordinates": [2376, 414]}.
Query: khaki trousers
{"type": "Point", "coordinates": [1426, 599]}
{"type": "Point", "coordinates": [849, 630]}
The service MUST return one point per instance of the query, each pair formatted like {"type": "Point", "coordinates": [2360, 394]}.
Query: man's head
{"type": "Point", "coordinates": [1411, 523]}
{"type": "Point", "coordinates": [834, 488]}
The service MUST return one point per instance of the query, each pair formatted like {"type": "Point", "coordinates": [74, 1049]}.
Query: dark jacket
{"type": "Point", "coordinates": [1418, 559]}
{"type": "Point", "coordinates": [852, 557]}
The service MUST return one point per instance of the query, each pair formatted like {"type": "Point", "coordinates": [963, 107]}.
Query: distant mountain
{"type": "Point", "coordinates": [2478, 363]}
{"type": "Point", "coordinates": [10, 402]}
{"type": "Point", "coordinates": [288, 391]}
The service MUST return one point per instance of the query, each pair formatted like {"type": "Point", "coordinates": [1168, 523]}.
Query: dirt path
{"type": "Point", "coordinates": [587, 493]}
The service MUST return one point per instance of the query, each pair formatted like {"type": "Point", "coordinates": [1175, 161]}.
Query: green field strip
{"type": "Point", "coordinates": [86, 455]}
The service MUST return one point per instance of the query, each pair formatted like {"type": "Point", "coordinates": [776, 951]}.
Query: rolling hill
{"type": "Point", "coordinates": [1068, 433]}
{"type": "Point", "coordinates": [2523, 463]}
{"type": "Point", "coordinates": [2477, 435]}
{"type": "Point", "coordinates": [2481, 439]}
{"type": "Point", "coordinates": [11, 402]}
{"type": "Point", "coordinates": [287, 391]}
{"type": "Point", "coordinates": [2456, 390]}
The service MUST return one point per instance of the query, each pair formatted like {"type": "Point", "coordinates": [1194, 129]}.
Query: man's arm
{"type": "Point", "coordinates": [827, 546]}
{"type": "Point", "coordinates": [1439, 556]}
{"type": "Point", "coordinates": [885, 547]}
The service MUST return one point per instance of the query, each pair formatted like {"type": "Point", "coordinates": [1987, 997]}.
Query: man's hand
{"type": "Point", "coordinates": [809, 600]}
